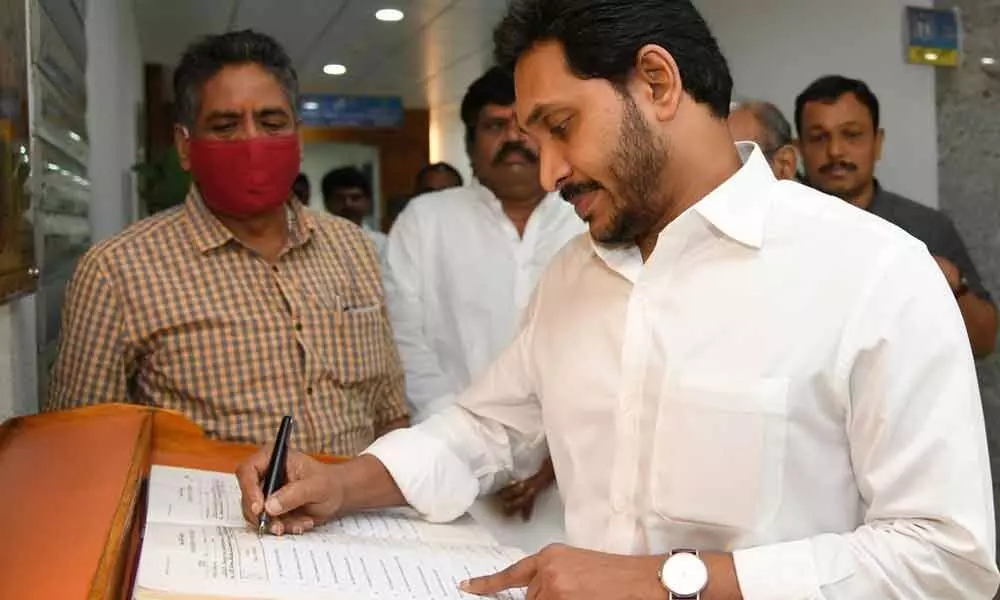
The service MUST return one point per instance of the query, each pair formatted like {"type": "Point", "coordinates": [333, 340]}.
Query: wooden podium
{"type": "Point", "coordinates": [72, 495]}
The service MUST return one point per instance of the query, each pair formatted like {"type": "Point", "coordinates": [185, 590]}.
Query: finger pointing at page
{"type": "Point", "coordinates": [517, 575]}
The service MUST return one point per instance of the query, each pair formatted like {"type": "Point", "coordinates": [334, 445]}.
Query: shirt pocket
{"type": "Point", "coordinates": [362, 352]}
{"type": "Point", "coordinates": [719, 451]}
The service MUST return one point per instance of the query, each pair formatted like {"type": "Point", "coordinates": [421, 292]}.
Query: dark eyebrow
{"type": "Point", "coordinates": [270, 112]}
{"type": "Point", "coordinates": [217, 115]}
{"type": "Point", "coordinates": [537, 113]}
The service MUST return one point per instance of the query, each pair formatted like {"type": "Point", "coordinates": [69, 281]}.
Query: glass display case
{"type": "Point", "coordinates": [18, 272]}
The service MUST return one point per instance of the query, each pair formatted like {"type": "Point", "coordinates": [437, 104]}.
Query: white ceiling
{"type": "Point", "coordinates": [428, 58]}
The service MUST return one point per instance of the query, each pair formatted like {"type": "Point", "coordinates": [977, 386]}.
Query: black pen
{"type": "Point", "coordinates": [274, 477]}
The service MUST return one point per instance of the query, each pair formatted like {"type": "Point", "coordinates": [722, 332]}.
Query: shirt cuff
{"type": "Point", "coordinates": [434, 481]}
{"type": "Point", "coordinates": [777, 572]}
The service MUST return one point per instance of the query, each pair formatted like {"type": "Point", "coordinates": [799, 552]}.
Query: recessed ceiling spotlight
{"type": "Point", "coordinates": [389, 14]}
{"type": "Point", "coordinates": [988, 60]}
{"type": "Point", "coordinates": [334, 69]}
{"type": "Point", "coordinates": [310, 105]}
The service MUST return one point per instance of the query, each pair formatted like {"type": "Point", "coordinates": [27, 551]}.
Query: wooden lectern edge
{"type": "Point", "coordinates": [176, 440]}
{"type": "Point", "coordinates": [121, 548]}
{"type": "Point", "coordinates": [169, 438]}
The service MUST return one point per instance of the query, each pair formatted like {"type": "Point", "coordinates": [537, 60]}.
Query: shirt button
{"type": "Point", "coordinates": [274, 268]}
{"type": "Point", "coordinates": [309, 390]}
{"type": "Point", "coordinates": [298, 327]}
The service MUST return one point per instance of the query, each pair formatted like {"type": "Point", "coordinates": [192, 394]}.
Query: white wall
{"type": "Point", "coordinates": [777, 47]}
{"type": "Point", "coordinates": [114, 95]}
{"type": "Point", "coordinates": [18, 370]}
{"type": "Point", "coordinates": [447, 139]}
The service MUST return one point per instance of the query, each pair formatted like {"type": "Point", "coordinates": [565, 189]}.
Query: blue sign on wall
{"type": "Point", "coordinates": [351, 111]}
{"type": "Point", "coordinates": [932, 36]}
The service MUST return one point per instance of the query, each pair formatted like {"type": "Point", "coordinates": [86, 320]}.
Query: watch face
{"type": "Point", "coordinates": [684, 574]}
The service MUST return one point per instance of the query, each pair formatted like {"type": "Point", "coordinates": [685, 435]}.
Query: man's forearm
{"type": "Point", "coordinates": [722, 581]}
{"type": "Point", "coordinates": [980, 318]}
{"type": "Point", "coordinates": [368, 485]}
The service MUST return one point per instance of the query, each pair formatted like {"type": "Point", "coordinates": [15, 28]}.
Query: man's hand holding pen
{"type": "Point", "coordinates": [313, 493]}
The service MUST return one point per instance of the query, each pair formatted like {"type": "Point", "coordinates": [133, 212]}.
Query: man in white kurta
{"type": "Point", "coordinates": [461, 266]}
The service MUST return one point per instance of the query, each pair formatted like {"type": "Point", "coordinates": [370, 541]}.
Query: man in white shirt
{"type": "Point", "coordinates": [462, 263]}
{"type": "Point", "coordinates": [347, 193]}
{"type": "Point", "coordinates": [748, 389]}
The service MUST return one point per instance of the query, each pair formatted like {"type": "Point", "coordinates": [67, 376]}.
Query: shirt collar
{"type": "Point", "coordinates": [738, 208]}
{"type": "Point", "coordinates": [208, 233]}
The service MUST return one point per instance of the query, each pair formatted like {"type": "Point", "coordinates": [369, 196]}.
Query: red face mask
{"type": "Point", "coordinates": [243, 178]}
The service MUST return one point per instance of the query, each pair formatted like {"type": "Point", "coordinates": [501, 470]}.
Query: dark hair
{"type": "Point", "coordinates": [601, 39]}
{"type": "Point", "coordinates": [828, 89]}
{"type": "Point", "coordinates": [438, 167]}
{"type": "Point", "coordinates": [496, 86]}
{"type": "Point", "coordinates": [777, 129]}
{"type": "Point", "coordinates": [301, 187]}
{"type": "Point", "coordinates": [345, 178]}
{"type": "Point", "coordinates": [206, 57]}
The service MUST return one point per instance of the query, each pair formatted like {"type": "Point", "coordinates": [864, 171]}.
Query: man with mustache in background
{"type": "Point", "coordinates": [462, 265]}
{"type": "Point", "coordinates": [840, 139]}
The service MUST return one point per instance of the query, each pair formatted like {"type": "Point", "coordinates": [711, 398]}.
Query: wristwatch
{"type": "Point", "coordinates": [684, 575]}
{"type": "Point", "coordinates": [963, 286]}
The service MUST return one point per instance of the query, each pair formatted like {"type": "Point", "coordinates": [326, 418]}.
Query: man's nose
{"type": "Point", "coordinates": [512, 132]}
{"type": "Point", "coordinates": [834, 147]}
{"type": "Point", "coordinates": [553, 168]}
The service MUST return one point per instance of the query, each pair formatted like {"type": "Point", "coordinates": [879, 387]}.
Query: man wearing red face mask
{"type": "Point", "coordinates": [241, 305]}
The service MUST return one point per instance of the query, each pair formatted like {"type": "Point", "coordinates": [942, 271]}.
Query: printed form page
{"type": "Point", "coordinates": [196, 542]}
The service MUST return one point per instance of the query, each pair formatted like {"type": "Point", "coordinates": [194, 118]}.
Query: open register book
{"type": "Point", "coordinates": [197, 545]}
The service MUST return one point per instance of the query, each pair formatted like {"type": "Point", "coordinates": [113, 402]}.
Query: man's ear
{"type": "Point", "coordinates": [657, 80]}
{"type": "Point", "coordinates": [182, 142]}
{"type": "Point", "coordinates": [785, 162]}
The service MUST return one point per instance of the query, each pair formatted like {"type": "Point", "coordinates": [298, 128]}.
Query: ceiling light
{"type": "Point", "coordinates": [389, 14]}
{"type": "Point", "coordinates": [74, 136]}
{"type": "Point", "coordinates": [988, 60]}
{"type": "Point", "coordinates": [310, 105]}
{"type": "Point", "coordinates": [334, 69]}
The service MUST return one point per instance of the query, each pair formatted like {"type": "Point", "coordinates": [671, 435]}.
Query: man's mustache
{"type": "Point", "coordinates": [571, 191]}
{"type": "Point", "coordinates": [841, 164]}
{"type": "Point", "coordinates": [511, 148]}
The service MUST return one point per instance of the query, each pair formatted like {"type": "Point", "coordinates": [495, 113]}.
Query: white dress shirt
{"type": "Point", "coordinates": [459, 279]}
{"type": "Point", "coordinates": [786, 377]}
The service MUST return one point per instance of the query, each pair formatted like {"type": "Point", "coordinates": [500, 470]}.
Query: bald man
{"type": "Point", "coordinates": [762, 123]}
